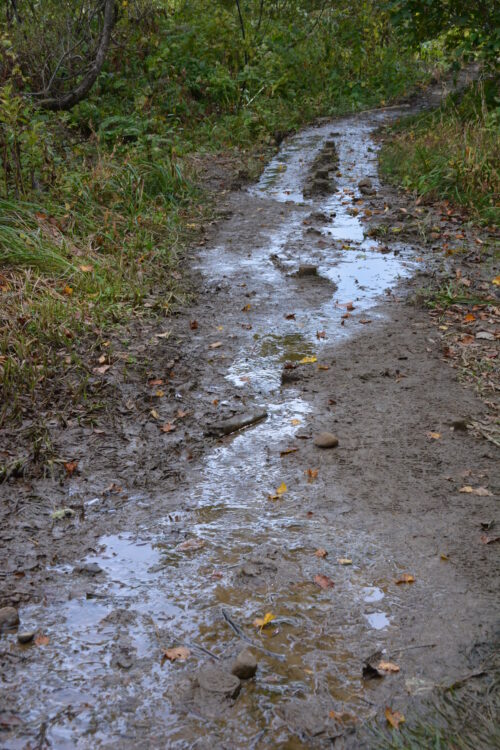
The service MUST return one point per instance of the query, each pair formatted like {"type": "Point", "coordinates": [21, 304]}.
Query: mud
{"type": "Point", "coordinates": [178, 538]}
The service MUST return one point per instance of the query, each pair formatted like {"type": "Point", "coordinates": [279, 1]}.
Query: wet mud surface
{"type": "Point", "coordinates": [177, 530]}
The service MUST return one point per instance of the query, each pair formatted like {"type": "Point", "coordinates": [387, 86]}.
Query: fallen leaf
{"type": "Point", "coordinates": [295, 422]}
{"type": "Point", "coordinates": [215, 402]}
{"type": "Point", "coordinates": [444, 557]}
{"type": "Point", "coordinates": [181, 414]}
{"type": "Point", "coordinates": [290, 316]}
{"type": "Point", "coordinates": [321, 334]}
{"type": "Point", "coordinates": [323, 581]}
{"type": "Point", "coordinates": [496, 281]}
{"type": "Point", "coordinates": [485, 539]}
{"type": "Point", "coordinates": [321, 552]}
{"type": "Point", "coordinates": [481, 491]}
{"type": "Point", "coordinates": [42, 640]}
{"type": "Point", "coordinates": [394, 718]}
{"type": "Point", "coordinates": [102, 369]}
{"type": "Point", "coordinates": [155, 381]}
{"type": "Point", "coordinates": [67, 290]}
{"type": "Point", "coordinates": [344, 561]}
{"type": "Point", "coordinates": [433, 435]}
{"type": "Point", "coordinates": [193, 325]}
{"type": "Point", "coordinates": [349, 306]}
{"type": "Point", "coordinates": [190, 544]}
{"type": "Point", "coordinates": [323, 367]}
{"type": "Point", "coordinates": [281, 489]}
{"type": "Point", "coordinates": [405, 578]}
{"type": "Point", "coordinates": [86, 269]}
{"type": "Point", "coordinates": [247, 308]}
{"type": "Point", "coordinates": [469, 318]}
{"type": "Point", "coordinates": [261, 622]}
{"type": "Point", "coordinates": [154, 414]}
{"type": "Point", "coordinates": [168, 427]}
{"type": "Point", "coordinates": [287, 451]}
{"type": "Point", "coordinates": [343, 717]}
{"type": "Point", "coordinates": [180, 653]}
{"type": "Point", "coordinates": [159, 393]}
{"type": "Point", "coordinates": [311, 474]}
{"type": "Point", "coordinates": [308, 360]}
{"type": "Point", "coordinates": [388, 666]}
{"type": "Point", "coordinates": [365, 321]}
{"type": "Point", "coordinates": [102, 359]}
{"type": "Point", "coordinates": [70, 467]}
{"type": "Point", "coordinates": [215, 345]}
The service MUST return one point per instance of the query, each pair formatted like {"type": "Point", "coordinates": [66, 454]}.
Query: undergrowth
{"type": "Point", "coordinates": [98, 204]}
{"type": "Point", "coordinates": [451, 153]}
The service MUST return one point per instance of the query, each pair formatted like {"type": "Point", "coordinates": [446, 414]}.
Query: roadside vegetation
{"type": "Point", "coordinates": [98, 199]}
{"type": "Point", "coordinates": [452, 153]}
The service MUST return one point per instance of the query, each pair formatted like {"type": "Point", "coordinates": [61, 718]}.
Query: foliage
{"type": "Point", "coordinates": [451, 153]}
{"type": "Point", "coordinates": [468, 29]}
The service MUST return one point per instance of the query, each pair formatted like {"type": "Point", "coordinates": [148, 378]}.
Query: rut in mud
{"type": "Point", "coordinates": [303, 320]}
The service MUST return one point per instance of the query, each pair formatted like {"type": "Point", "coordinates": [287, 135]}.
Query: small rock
{"type": "Point", "coordinates": [236, 423]}
{"type": "Point", "coordinates": [326, 440]}
{"type": "Point", "coordinates": [213, 679]}
{"type": "Point", "coordinates": [245, 665]}
{"type": "Point", "coordinates": [89, 569]}
{"type": "Point", "coordinates": [307, 270]}
{"type": "Point", "coordinates": [365, 183]}
{"type": "Point", "coordinates": [486, 335]}
{"type": "Point", "coordinates": [460, 424]}
{"type": "Point", "coordinates": [26, 637]}
{"type": "Point", "coordinates": [9, 618]}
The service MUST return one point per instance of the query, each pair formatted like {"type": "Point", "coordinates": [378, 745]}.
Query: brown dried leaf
{"type": "Point", "coordinates": [42, 640]}
{"type": "Point", "coordinates": [394, 718]}
{"type": "Point", "coordinates": [323, 581]}
{"type": "Point", "coordinates": [388, 666]}
{"type": "Point", "coordinates": [179, 653]}
{"type": "Point", "coordinates": [190, 545]}
{"type": "Point", "coordinates": [405, 578]}
{"type": "Point", "coordinates": [321, 552]}
{"type": "Point", "coordinates": [71, 467]}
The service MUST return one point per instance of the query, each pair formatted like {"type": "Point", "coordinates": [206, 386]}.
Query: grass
{"type": "Point", "coordinates": [451, 153]}
{"type": "Point", "coordinates": [462, 719]}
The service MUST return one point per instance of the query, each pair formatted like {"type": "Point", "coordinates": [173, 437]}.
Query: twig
{"type": "Point", "coordinates": [239, 632]}
{"type": "Point", "coordinates": [407, 648]}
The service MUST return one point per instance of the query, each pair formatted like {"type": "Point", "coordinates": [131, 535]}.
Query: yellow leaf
{"type": "Point", "coordinates": [308, 360]}
{"type": "Point", "coordinates": [433, 435]}
{"type": "Point", "coordinates": [281, 489]}
{"type": "Point", "coordinates": [344, 561]}
{"type": "Point", "coordinates": [86, 269]}
{"type": "Point", "coordinates": [388, 666]}
{"type": "Point", "coordinates": [261, 622]}
{"type": "Point", "coordinates": [496, 281]}
{"type": "Point", "coordinates": [394, 718]}
{"type": "Point", "coordinates": [323, 367]}
{"type": "Point", "coordinates": [154, 414]}
{"type": "Point", "coordinates": [67, 290]}
{"type": "Point", "coordinates": [295, 422]}
{"type": "Point", "coordinates": [481, 491]}
{"type": "Point", "coordinates": [406, 578]}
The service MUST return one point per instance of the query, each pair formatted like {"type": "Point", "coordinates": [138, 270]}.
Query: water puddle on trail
{"type": "Point", "coordinates": [199, 578]}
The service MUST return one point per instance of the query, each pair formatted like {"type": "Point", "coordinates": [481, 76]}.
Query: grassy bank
{"type": "Point", "coordinates": [451, 153]}
{"type": "Point", "coordinates": [98, 204]}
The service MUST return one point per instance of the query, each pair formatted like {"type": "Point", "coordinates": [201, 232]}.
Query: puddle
{"type": "Point", "coordinates": [250, 555]}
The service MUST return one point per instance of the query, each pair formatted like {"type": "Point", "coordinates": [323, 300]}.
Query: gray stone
{"type": "Point", "coordinates": [236, 423]}
{"type": "Point", "coordinates": [215, 680]}
{"type": "Point", "coordinates": [26, 637]}
{"type": "Point", "coordinates": [9, 618]}
{"type": "Point", "coordinates": [245, 665]}
{"type": "Point", "coordinates": [307, 270]}
{"type": "Point", "coordinates": [326, 440]}
{"type": "Point", "coordinates": [89, 569]}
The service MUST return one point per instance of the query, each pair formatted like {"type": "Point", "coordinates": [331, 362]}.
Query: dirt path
{"type": "Point", "coordinates": [305, 319]}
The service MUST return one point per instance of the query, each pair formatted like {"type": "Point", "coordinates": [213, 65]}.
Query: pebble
{"type": "Point", "coordinates": [89, 569]}
{"type": "Point", "coordinates": [245, 665]}
{"type": "Point", "coordinates": [9, 618]}
{"type": "Point", "coordinates": [26, 637]}
{"type": "Point", "coordinates": [213, 679]}
{"type": "Point", "coordinates": [307, 270]}
{"type": "Point", "coordinates": [326, 440]}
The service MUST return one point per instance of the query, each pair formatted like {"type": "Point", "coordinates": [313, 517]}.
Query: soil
{"type": "Point", "coordinates": [163, 531]}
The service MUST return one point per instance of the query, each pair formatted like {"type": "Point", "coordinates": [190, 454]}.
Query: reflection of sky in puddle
{"type": "Point", "coordinates": [378, 620]}
{"type": "Point", "coordinates": [372, 594]}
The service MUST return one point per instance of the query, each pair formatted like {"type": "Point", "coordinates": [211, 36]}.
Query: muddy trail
{"type": "Point", "coordinates": [223, 507]}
